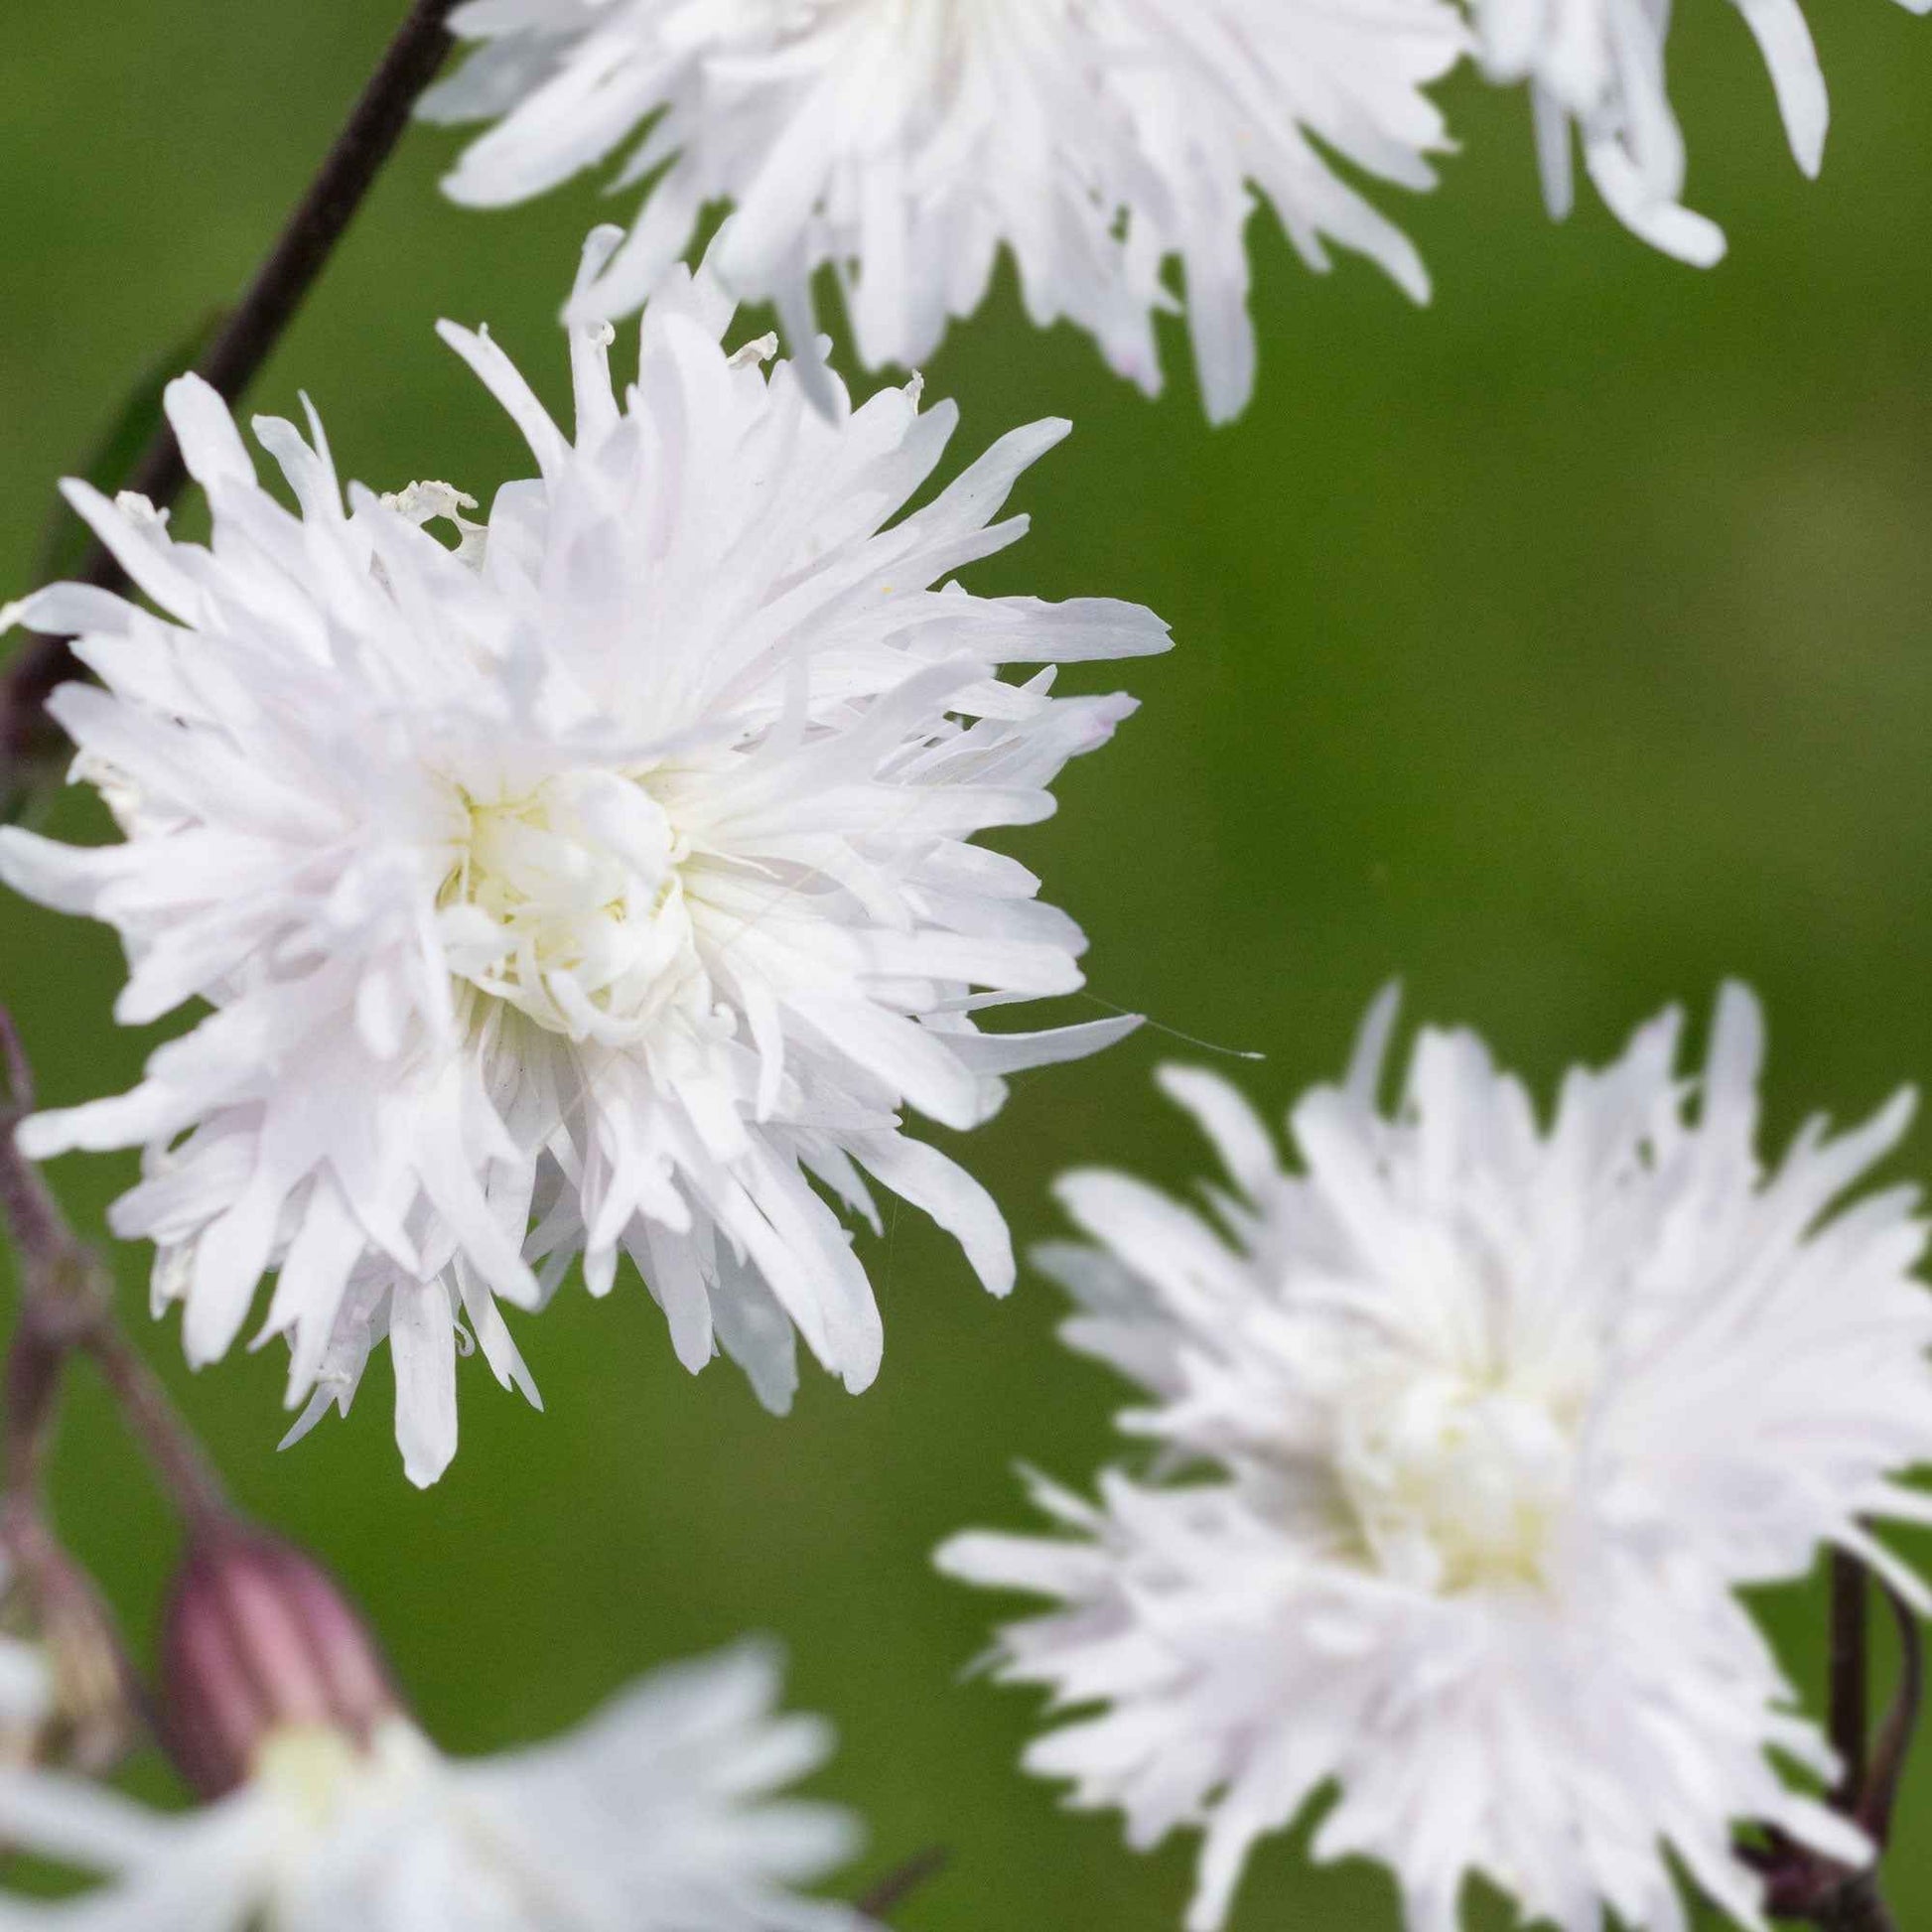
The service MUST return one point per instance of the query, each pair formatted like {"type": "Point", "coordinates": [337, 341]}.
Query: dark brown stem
{"type": "Point", "coordinates": [174, 1452]}
{"type": "Point", "coordinates": [1857, 1907]}
{"type": "Point", "coordinates": [1802, 1885]}
{"type": "Point", "coordinates": [67, 1306]}
{"type": "Point", "coordinates": [898, 1885]}
{"type": "Point", "coordinates": [59, 1295]}
{"type": "Point", "coordinates": [1850, 1675]}
{"type": "Point", "coordinates": [97, 1695]}
{"type": "Point", "coordinates": [1894, 1741]}
{"type": "Point", "coordinates": [29, 1209]}
{"type": "Point", "coordinates": [238, 353]}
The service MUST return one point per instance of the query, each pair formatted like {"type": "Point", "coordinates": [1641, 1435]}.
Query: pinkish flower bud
{"type": "Point", "coordinates": [257, 1638]}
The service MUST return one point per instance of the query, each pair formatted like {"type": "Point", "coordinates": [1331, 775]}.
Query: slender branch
{"type": "Point", "coordinates": [1800, 1883]}
{"type": "Point", "coordinates": [1894, 1741]}
{"type": "Point", "coordinates": [67, 1306]}
{"type": "Point", "coordinates": [1851, 1689]}
{"type": "Point", "coordinates": [97, 1690]}
{"type": "Point", "coordinates": [174, 1452]}
{"type": "Point", "coordinates": [899, 1884]}
{"type": "Point", "coordinates": [1856, 1907]}
{"type": "Point", "coordinates": [29, 1208]}
{"type": "Point", "coordinates": [366, 140]}
{"type": "Point", "coordinates": [57, 1297]}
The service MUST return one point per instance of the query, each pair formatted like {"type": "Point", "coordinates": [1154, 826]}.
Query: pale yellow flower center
{"type": "Point", "coordinates": [567, 902]}
{"type": "Point", "coordinates": [313, 1766]}
{"type": "Point", "coordinates": [1456, 1482]}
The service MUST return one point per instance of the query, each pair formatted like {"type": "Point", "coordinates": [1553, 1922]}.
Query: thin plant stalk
{"type": "Point", "coordinates": [249, 336]}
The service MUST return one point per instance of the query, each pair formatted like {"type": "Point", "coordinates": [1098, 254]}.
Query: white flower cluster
{"type": "Point", "coordinates": [1469, 1430]}
{"type": "Point", "coordinates": [659, 1815]}
{"type": "Point", "coordinates": [1594, 70]}
{"type": "Point", "coordinates": [600, 878]}
{"type": "Point", "coordinates": [602, 887]}
{"type": "Point", "coordinates": [904, 143]}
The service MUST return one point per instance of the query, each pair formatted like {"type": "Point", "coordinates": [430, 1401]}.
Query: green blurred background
{"type": "Point", "coordinates": [1560, 647]}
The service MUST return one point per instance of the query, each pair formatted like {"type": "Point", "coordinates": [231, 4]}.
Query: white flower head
{"type": "Point", "coordinates": [659, 1815]}
{"type": "Point", "coordinates": [1596, 72]}
{"type": "Point", "coordinates": [906, 142]}
{"type": "Point", "coordinates": [1471, 1427]}
{"type": "Point", "coordinates": [608, 888]}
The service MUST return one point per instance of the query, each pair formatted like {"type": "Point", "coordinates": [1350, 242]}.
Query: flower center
{"type": "Point", "coordinates": [1454, 1482]}
{"type": "Point", "coordinates": [567, 902]}
{"type": "Point", "coordinates": [313, 1765]}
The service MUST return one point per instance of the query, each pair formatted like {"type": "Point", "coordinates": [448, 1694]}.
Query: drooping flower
{"type": "Point", "coordinates": [1471, 1427]}
{"type": "Point", "coordinates": [659, 1815]}
{"type": "Point", "coordinates": [906, 142]}
{"type": "Point", "coordinates": [1596, 72]}
{"type": "Point", "coordinates": [604, 885]}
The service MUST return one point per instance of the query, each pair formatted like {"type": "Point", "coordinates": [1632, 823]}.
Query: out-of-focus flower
{"type": "Point", "coordinates": [1471, 1427]}
{"type": "Point", "coordinates": [906, 142]}
{"type": "Point", "coordinates": [1596, 72]}
{"type": "Point", "coordinates": [28, 1675]}
{"type": "Point", "coordinates": [656, 1816]}
{"type": "Point", "coordinates": [26, 1685]}
{"type": "Point", "coordinates": [605, 886]}
{"type": "Point", "coordinates": [66, 1693]}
